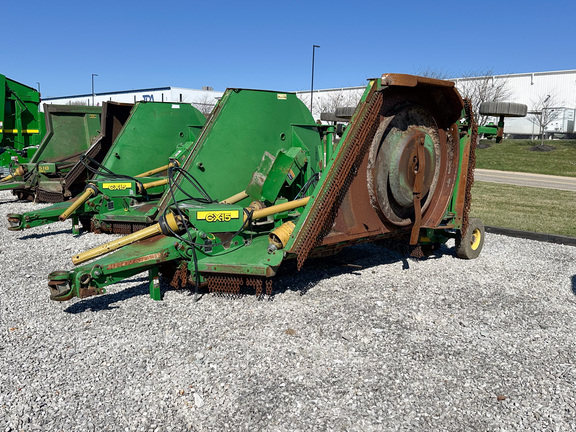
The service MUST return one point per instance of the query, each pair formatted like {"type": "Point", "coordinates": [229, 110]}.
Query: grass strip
{"type": "Point", "coordinates": [514, 155]}
{"type": "Point", "coordinates": [540, 210]}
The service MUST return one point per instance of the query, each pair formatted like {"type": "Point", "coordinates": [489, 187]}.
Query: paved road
{"type": "Point", "coordinates": [526, 179]}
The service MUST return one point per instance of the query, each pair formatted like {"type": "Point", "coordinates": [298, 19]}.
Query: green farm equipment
{"type": "Point", "coordinates": [264, 183]}
{"type": "Point", "coordinates": [71, 130]}
{"type": "Point", "coordinates": [22, 125]}
{"type": "Point", "coordinates": [500, 110]}
{"type": "Point", "coordinates": [122, 168]}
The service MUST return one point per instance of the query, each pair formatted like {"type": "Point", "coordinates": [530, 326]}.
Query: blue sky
{"type": "Point", "coordinates": [268, 44]}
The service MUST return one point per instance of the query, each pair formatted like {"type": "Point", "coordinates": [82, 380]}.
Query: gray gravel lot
{"type": "Point", "coordinates": [389, 343]}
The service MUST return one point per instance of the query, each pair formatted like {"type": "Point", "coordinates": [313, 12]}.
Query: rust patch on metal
{"type": "Point", "coordinates": [123, 228]}
{"type": "Point", "coordinates": [471, 164]}
{"type": "Point", "coordinates": [239, 269]}
{"type": "Point", "coordinates": [87, 292]}
{"type": "Point", "coordinates": [43, 195]}
{"type": "Point", "coordinates": [228, 285]}
{"type": "Point", "coordinates": [154, 256]}
{"type": "Point", "coordinates": [351, 155]}
{"type": "Point", "coordinates": [346, 210]}
{"type": "Point", "coordinates": [419, 169]}
{"type": "Point", "coordinates": [406, 80]}
{"type": "Point", "coordinates": [180, 279]}
{"type": "Point", "coordinates": [224, 284]}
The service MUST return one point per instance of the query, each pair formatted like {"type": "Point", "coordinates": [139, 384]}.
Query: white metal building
{"type": "Point", "coordinates": [531, 89]}
{"type": "Point", "coordinates": [526, 88]}
{"type": "Point", "coordinates": [203, 99]}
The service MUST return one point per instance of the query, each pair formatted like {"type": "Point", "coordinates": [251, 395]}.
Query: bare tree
{"type": "Point", "coordinates": [483, 86]}
{"type": "Point", "coordinates": [329, 101]}
{"type": "Point", "coordinates": [205, 104]}
{"type": "Point", "coordinates": [547, 111]}
{"type": "Point", "coordinates": [430, 72]}
{"type": "Point", "coordinates": [79, 102]}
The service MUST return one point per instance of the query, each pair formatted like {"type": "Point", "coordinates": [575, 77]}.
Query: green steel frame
{"type": "Point", "coordinates": [22, 125]}
{"type": "Point", "coordinates": [154, 134]}
{"type": "Point", "coordinates": [71, 130]}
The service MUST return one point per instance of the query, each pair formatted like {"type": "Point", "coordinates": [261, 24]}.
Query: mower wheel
{"type": "Point", "coordinates": [506, 109]}
{"type": "Point", "coordinates": [469, 245]}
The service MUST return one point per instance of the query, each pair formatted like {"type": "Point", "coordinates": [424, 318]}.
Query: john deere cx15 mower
{"type": "Point", "coordinates": [264, 183]}
{"type": "Point", "coordinates": [123, 168]}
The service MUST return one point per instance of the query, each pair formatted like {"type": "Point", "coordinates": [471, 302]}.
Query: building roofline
{"type": "Point", "coordinates": [331, 89]}
{"type": "Point", "coordinates": [522, 74]}
{"type": "Point", "coordinates": [109, 93]}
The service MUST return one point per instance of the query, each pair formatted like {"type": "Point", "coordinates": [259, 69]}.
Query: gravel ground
{"type": "Point", "coordinates": [389, 343]}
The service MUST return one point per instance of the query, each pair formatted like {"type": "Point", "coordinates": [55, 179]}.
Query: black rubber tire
{"type": "Point", "coordinates": [345, 112]}
{"type": "Point", "coordinates": [469, 245]}
{"type": "Point", "coordinates": [506, 109]}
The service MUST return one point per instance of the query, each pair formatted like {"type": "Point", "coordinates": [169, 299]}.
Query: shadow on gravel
{"type": "Point", "coordinates": [349, 261]}
{"type": "Point", "coordinates": [574, 284]}
{"type": "Point", "coordinates": [104, 302]}
{"type": "Point", "coordinates": [37, 236]}
{"type": "Point", "coordinates": [11, 200]}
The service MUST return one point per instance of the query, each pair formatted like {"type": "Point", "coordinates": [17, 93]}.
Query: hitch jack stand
{"type": "Point", "coordinates": [154, 283]}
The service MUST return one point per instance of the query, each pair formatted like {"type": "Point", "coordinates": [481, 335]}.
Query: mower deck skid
{"type": "Point", "coordinates": [125, 166]}
{"type": "Point", "coordinates": [264, 183]}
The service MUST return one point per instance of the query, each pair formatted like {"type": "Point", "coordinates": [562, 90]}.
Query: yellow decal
{"type": "Point", "coordinates": [217, 216]}
{"type": "Point", "coordinates": [43, 168]}
{"type": "Point", "coordinates": [14, 131]}
{"type": "Point", "coordinates": [281, 96]}
{"type": "Point", "coordinates": [116, 186]}
{"type": "Point", "coordinates": [92, 115]}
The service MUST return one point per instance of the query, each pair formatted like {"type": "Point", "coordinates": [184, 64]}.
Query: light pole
{"type": "Point", "coordinates": [312, 85]}
{"type": "Point", "coordinates": [93, 75]}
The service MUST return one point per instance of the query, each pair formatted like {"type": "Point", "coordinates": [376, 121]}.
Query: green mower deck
{"type": "Point", "coordinates": [125, 172]}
